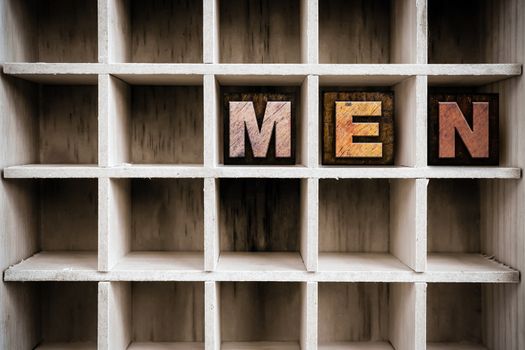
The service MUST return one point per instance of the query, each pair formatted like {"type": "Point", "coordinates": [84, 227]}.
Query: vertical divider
{"type": "Point", "coordinates": [211, 122]}
{"type": "Point", "coordinates": [212, 316]}
{"type": "Point", "coordinates": [309, 222]}
{"type": "Point", "coordinates": [103, 120]}
{"type": "Point", "coordinates": [421, 120]}
{"type": "Point", "coordinates": [211, 224]}
{"type": "Point", "coordinates": [310, 122]}
{"type": "Point", "coordinates": [210, 30]}
{"type": "Point", "coordinates": [309, 319]}
{"type": "Point", "coordinates": [103, 224]}
{"type": "Point", "coordinates": [103, 27]}
{"type": "Point", "coordinates": [408, 221]}
{"type": "Point", "coordinates": [310, 31]}
{"type": "Point", "coordinates": [114, 315]}
{"type": "Point", "coordinates": [406, 324]}
{"type": "Point", "coordinates": [422, 31]}
{"type": "Point", "coordinates": [409, 32]}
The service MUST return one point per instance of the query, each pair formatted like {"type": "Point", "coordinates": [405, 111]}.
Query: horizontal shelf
{"type": "Point", "coordinates": [454, 346]}
{"type": "Point", "coordinates": [165, 346]}
{"type": "Point", "coordinates": [196, 171]}
{"type": "Point", "coordinates": [347, 74]}
{"type": "Point", "coordinates": [450, 267]}
{"type": "Point", "coordinates": [80, 266]}
{"type": "Point", "coordinates": [67, 346]}
{"type": "Point", "coordinates": [263, 345]}
{"type": "Point", "coordinates": [356, 346]}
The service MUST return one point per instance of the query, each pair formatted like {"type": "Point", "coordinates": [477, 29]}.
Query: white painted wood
{"type": "Point", "coordinates": [195, 171]}
{"type": "Point", "coordinates": [211, 127]}
{"type": "Point", "coordinates": [211, 224]}
{"type": "Point", "coordinates": [309, 222]}
{"type": "Point", "coordinates": [406, 122]}
{"type": "Point", "coordinates": [403, 34]}
{"type": "Point", "coordinates": [262, 345]}
{"type": "Point", "coordinates": [210, 25]}
{"type": "Point", "coordinates": [118, 31]}
{"type": "Point", "coordinates": [421, 119]}
{"type": "Point", "coordinates": [384, 74]}
{"type": "Point", "coordinates": [309, 297]}
{"type": "Point", "coordinates": [212, 310]}
{"type": "Point", "coordinates": [309, 31]}
{"type": "Point", "coordinates": [407, 222]}
{"type": "Point", "coordinates": [82, 266]}
{"type": "Point", "coordinates": [119, 125]}
{"type": "Point", "coordinates": [402, 322]}
{"type": "Point", "coordinates": [310, 134]}
{"type": "Point", "coordinates": [114, 315]}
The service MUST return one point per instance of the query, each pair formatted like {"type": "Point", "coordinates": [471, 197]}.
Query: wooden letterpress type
{"type": "Point", "coordinates": [259, 128]}
{"type": "Point", "coordinates": [463, 129]}
{"type": "Point", "coordinates": [358, 128]}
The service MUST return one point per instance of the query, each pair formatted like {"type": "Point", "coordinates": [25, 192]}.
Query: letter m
{"type": "Point", "coordinates": [278, 114]}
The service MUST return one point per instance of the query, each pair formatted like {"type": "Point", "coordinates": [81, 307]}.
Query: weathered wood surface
{"type": "Point", "coordinates": [463, 129]}
{"type": "Point", "coordinates": [358, 128]}
{"type": "Point", "coordinates": [271, 137]}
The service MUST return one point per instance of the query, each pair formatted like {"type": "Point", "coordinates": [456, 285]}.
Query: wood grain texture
{"type": "Point", "coordinates": [167, 311]}
{"type": "Point", "coordinates": [67, 30]}
{"type": "Point", "coordinates": [458, 31]}
{"type": "Point", "coordinates": [355, 31]}
{"type": "Point", "coordinates": [259, 311]}
{"type": "Point", "coordinates": [453, 216]}
{"type": "Point", "coordinates": [454, 313]}
{"type": "Point", "coordinates": [259, 31]}
{"type": "Point", "coordinates": [166, 31]}
{"type": "Point", "coordinates": [167, 124]}
{"type": "Point", "coordinates": [353, 312]}
{"type": "Point", "coordinates": [259, 214]}
{"type": "Point", "coordinates": [68, 124]}
{"type": "Point", "coordinates": [277, 116]}
{"type": "Point", "coordinates": [453, 140]}
{"type": "Point", "coordinates": [68, 215]}
{"type": "Point", "coordinates": [255, 141]}
{"type": "Point", "coordinates": [68, 311]}
{"type": "Point", "coordinates": [167, 214]}
{"type": "Point", "coordinates": [332, 146]}
{"type": "Point", "coordinates": [354, 216]}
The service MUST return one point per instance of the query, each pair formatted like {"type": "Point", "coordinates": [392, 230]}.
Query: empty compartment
{"type": "Point", "coordinates": [53, 30]}
{"type": "Point", "coordinates": [362, 225]}
{"type": "Point", "coordinates": [259, 31]}
{"type": "Point", "coordinates": [365, 315]}
{"type": "Point", "coordinates": [166, 124]}
{"type": "Point", "coordinates": [66, 315]}
{"type": "Point", "coordinates": [156, 124]}
{"type": "Point", "coordinates": [354, 31]}
{"type": "Point", "coordinates": [156, 31]}
{"type": "Point", "coordinates": [60, 220]}
{"type": "Point", "coordinates": [58, 123]}
{"type": "Point", "coordinates": [159, 223]}
{"type": "Point", "coordinates": [470, 31]}
{"type": "Point", "coordinates": [260, 223]}
{"type": "Point", "coordinates": [455, 316]}
{"type": "Point", "coordinates": [260, 315]}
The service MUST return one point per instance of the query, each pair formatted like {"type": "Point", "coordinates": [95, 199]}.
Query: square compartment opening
{"type": "Point", "coordinates": [161, 223]}
{"type": "Point", "coordinates": [166, 124]}
{"type": "Point", "coordinates": [356, 220]}
{"type": "Point", "coordinates": [455, 316]}
{"type": "Point", "coordinates": [356, 315]}
{"type": "Point", "coordinates": [259, 31]}
{"type": "Point", "coordinates": [260, 315]}
{"type": "Point", "coordinates": [259, 221]}
{"type": "Point", "coordinates": [167, 314]}
{"type": "Point", "coordinates": [67, 315]}
{"type": "Point", "coordinates": [355, 31]}
{"type": "Point", "coordinates": [57, 31]}
{"type": "Point", "coordinates": [157, 31]}
{"type": "Point", "coordinates": [468, 31]}
{"type": "Point", "coordinates": [65, 213]}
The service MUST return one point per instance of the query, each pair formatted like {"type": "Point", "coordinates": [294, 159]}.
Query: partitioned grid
{"type": "Point", "coordinates": [194, 254]}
